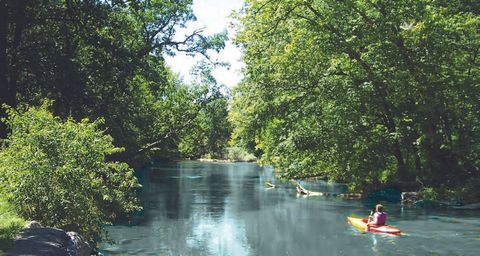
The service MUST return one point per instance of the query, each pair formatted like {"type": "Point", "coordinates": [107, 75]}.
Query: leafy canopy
{"type": "Point", "coordinates": [367, 92]}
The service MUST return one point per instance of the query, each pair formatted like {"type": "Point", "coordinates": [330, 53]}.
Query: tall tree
{"type": "Point", "coordinates": [12, 23]}
{"type": "Point", "coordinates": [101, 59]}
{"type": "Point", "coordinates": [370, 92]}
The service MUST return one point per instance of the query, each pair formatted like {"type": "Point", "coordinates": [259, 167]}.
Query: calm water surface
{"type": "Point", "coordinates": [193, 208]}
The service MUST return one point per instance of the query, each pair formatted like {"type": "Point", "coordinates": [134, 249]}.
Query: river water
{"type": "Point", "coordinates": [194, 208]}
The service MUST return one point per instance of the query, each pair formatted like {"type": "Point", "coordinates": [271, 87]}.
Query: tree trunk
{"type": "Point", "coordinates": [4, 85]}
{"type": "Point", "coordinates": [19, 19]}
{"type": "Point", "coordinates": [12, 18]}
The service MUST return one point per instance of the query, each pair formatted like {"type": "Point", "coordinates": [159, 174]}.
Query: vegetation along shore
{"type": "Point", "coordinates": [372, 94]}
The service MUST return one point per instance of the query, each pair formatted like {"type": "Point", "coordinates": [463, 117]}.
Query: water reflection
{"type": "Point", "coordinates": [196, 208]}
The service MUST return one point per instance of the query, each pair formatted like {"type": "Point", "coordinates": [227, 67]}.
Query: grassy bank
{"type": "Point", "coordinates": [10, 225]}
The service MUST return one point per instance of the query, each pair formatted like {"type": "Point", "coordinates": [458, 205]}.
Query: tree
{"type": "Point", "coordinates": [57, 172]}
{"type": "Point", "coordinates": [210, 131]}
{"type": "Point", "coordinates": [367, 92]}
{"type": "Point", "coordinates": [12, 24]}
{"type": "Point", "coordinates": [99, 59]}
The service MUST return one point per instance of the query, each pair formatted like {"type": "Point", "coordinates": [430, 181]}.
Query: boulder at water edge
{"type": "Point", "coordinates": [49, 241]}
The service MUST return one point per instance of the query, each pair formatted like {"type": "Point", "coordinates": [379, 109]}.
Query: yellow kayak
{"type": "Point", "coordinates": [362, 225]}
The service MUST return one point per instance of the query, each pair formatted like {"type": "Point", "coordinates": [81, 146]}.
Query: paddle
{"type": "Point", "coordinates": [370, 216]}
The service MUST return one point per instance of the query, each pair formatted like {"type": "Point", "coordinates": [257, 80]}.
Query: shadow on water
{"type": "Point", "coordinates": [193, 208]}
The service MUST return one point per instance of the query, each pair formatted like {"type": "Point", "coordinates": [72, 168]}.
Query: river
{"type": "Point", "coordinates": [194, 208]}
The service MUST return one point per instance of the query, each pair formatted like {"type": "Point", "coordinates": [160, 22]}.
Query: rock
{"type": "Point", "coordinates": [43, 241]}
{"type": "Point", "coordinates": [410, 197]}
{"type": "Point", "coordinates": [81, 245]}
{"type": "Point", "coordinates": [37, 240]}
{"type": "Point", "coordinates": [33, 224]}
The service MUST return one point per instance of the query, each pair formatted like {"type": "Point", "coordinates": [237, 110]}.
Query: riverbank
{"type": "Point", "coordinates": [408, 193]}
{"type": "Point", "coordinates": [232, 155]}
{"type": "Point", "coordinates": [398, 193]}
{"type": "Point", "coordinates": [10, 225]}
{"type": "Point", "coordinates": [19, 237]}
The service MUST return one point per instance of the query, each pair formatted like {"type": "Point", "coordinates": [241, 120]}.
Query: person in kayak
{"type": "Point", "coordinates": [379, 218]}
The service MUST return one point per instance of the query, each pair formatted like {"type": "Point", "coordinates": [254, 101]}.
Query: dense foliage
{"type": "Point", "coordinates": [104, 59]}
{"type": "Point", "coordinates": [101, 60]}
{"type": "Point", "coordinates": [57, 172]}
{"type": "Point", "coordinates": [211, 131]}
{"type": "Point", "coordinates": [367, 92]}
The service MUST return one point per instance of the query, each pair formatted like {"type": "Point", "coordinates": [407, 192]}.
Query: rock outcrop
{"type": "Point", "coordinates": [38, 240]}
{"type": "Point", "coordinates": [43, 241]}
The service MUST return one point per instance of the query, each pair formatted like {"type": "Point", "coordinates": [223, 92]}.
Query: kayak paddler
{"type": "Point", "coordinates": [379, 218]}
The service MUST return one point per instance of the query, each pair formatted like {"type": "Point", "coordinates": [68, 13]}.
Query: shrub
{"type": "Point", "coordinates": [239, 154]}
{"type": "Point", "coordinates": [56, 172]}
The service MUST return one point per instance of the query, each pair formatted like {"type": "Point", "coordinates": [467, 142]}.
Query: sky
{"type": "Point", "coordinates": [213, 16]}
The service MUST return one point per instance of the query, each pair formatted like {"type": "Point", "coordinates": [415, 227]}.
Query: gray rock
{"type": "Point", "coordinates": [80, 244]}
{"type": "Point", "coordinates": [411, 197]}
{"type": "Point", "coordinates": [33, 224]}
{"type": "Point", "coordinates": [43, 241]}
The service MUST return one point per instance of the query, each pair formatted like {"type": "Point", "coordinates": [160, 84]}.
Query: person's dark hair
{"type": "Point", "coordinates": [379, 208]}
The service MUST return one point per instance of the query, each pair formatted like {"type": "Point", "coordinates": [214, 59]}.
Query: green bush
{"type": "Point", "coordinates": [239, 154]}
{"type": "Point", "coordinates": [56, 172]}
